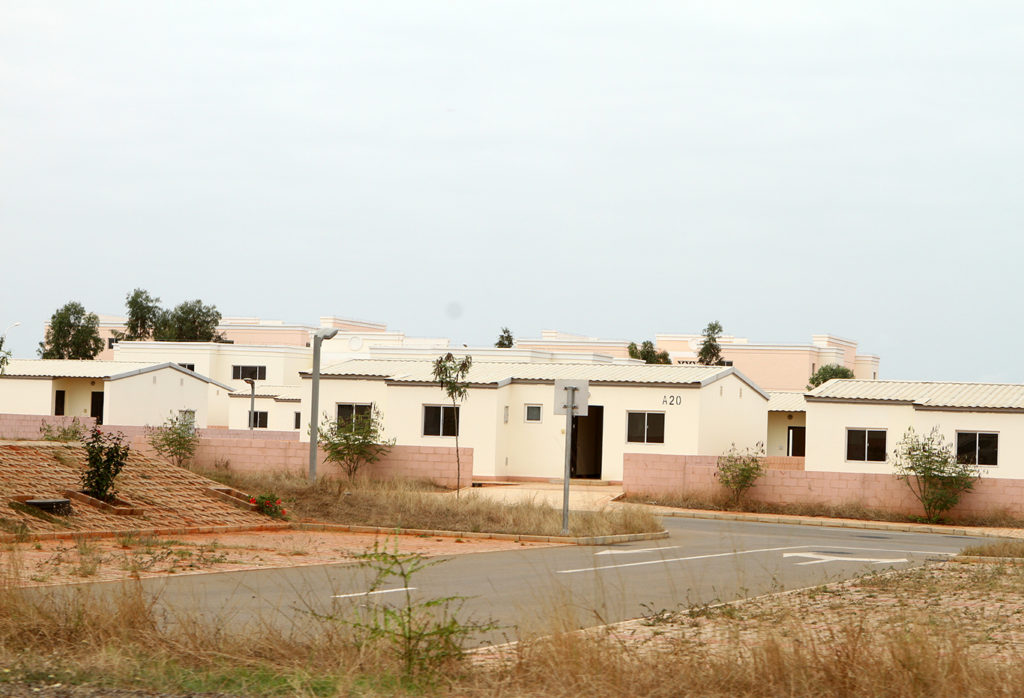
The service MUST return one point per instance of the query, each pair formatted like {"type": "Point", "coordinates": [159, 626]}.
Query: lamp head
{"type": "Point", "coordinates": [326, 332]}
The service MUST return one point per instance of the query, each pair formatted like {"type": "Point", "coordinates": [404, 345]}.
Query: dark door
{"type": "Point", "coordinates": [97, 406]}
{"type": "Point", "coordinates": [58, 403]}
{"type": "Point", "coordinates": [797, 437]}
{"type": "Point", "coordinates": [587, 434]}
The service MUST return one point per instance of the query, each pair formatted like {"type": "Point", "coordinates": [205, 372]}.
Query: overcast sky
{"type": "Point", "coordinates": [610, 168]}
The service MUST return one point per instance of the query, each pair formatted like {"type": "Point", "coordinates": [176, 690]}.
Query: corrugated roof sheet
{"type": "Point", "coordinates": [276, 391]}
{"type": "Point", "coordinates": [495, 372]}
{"type": "Point", "coordinates": [786, 401]}
{"type": "Point", "coordinates": [925, 393]}
{"type": "Point", "coordinates": [72, 368]}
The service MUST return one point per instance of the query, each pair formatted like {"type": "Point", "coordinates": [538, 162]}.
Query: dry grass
{"type": "Point", "coordinates": [848, 510]}
{"type": "Point", "coordinates": [797, 649]}
{"type": "Point", "coordinates": [1003, 548]}
{"type": "Point", "coordinates": [419, 505]}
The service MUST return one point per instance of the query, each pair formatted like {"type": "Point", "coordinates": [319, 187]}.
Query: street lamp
{"type": "Point", "coordinates": [9, 329]}
{"type": "Point", "coordinates": [252, 402]}
{"type": "Point", "coordinates": [314, 404]}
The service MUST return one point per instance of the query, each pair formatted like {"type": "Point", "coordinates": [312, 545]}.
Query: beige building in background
{"type": "Point", "coordinates": [508, 417]}
{"type": "Point", "coordinates": [855, 425]}
{"type": "Point", "coordinates": [114, 392]}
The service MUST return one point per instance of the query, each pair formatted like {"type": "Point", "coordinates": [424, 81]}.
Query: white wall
{"type": "Point", "coordinates": [150, 398]}
{"type": "Point", "coordinates": [778, 430]}
{"type": "Point", "coordinates": [827, 423]}
{"type": "Point", "coordinates": [731, 412]}
{"type": "Point", "coordinates": [26, 395]}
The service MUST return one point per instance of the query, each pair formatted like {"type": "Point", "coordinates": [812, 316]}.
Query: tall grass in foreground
{"type": "Point", "coordinates": [714, 501]}
{"type": "Point", "coordinates": [396, 503]}
{"type": "Point", "coordinates": [73, 636]}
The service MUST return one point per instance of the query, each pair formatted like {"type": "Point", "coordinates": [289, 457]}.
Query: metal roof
{"type": "Point", "coordinates": [83, 368]}
{"type": "Point", "coordinates": [486, 373]}
{"type": "Point", "coordinates": [786, 401]}
{"type": "Point", "coordinates": [924, 394]}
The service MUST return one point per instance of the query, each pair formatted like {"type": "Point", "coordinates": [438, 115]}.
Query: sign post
{"type": "Point", "coordinates": [571, 399]}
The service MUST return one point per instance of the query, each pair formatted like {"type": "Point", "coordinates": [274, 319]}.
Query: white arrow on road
{"type": "Point", "coordinates": [818, 558]}
{"type": "Point", "coordinates": [639, 550]}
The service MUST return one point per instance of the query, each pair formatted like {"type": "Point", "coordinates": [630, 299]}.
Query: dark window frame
{"type": "Point", "coordinates": [870, 448]}
{"type": "Point", "coordinates": [60, 403]}
{"type": "Point", "coordinates": [540, 414]}
{"type": "Point", "coordinates": [447, 425]}
{"type": "Point", "coordinates": [188, 367]}
{"type": "Point", "coordinates": [260, 421]}
{"type": "Point", "coordinates": [978, 448]}
{"type": "Point", "coordinates": [241, 372]}
{"type": "Point", "coordinates": [357, 409]}
{"type": "Point", "coordinates": [649, 437]}
{"type": "Point", "coordinates": [298, 420]}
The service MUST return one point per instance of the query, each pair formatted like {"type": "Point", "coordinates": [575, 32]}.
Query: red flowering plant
{"type": "Point", "coordinates": [270, 505]}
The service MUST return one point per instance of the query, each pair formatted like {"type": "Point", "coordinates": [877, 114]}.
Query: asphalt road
{"type": "Point", "coordinates": [541, 589]}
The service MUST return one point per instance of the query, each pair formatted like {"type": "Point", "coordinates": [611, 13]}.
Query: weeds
{"type": "Point", "coordinates": [1003, 548]}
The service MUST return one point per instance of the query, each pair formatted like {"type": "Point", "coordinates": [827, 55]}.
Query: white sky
{"type": "Point", "coordinates": [609, 168]}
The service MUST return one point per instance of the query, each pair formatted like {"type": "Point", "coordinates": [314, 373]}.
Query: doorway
{"type": "Point", "coordinates": [796, 441]}
{"type": "Point", "coordinates": [96, 408]}
{"type": "Point", "coordinates": [587, 435]}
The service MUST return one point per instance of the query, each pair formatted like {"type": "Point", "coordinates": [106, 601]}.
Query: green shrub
{"type": "Point", "coordinates": [738, 470]}
{"type": "Point", "coordinates": [930, 468]}
{"type": "Point", "coordinates": [106, 454]}
{"type": "Point", "coordinates": [269, 504]}
{"type": "Point", "coordinates": [72, 431]}
{"type": "Point", "coordinates": [354, 442]}
{"type": "Point", "coordinates": [176, 440]}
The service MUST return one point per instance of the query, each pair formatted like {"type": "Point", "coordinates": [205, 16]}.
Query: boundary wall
{"type": "Point", "coordinates": [658, 474]}
{"type": "Point", "coordinates": [269, 451]}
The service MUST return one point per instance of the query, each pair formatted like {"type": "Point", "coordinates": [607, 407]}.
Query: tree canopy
{"type": "Point", "coordinates": [73, 333]}
{"type": "Point", "coordinates": [710, 353]}
{"type": "Point", "coordinates": [505, 339]}
{"type": "Point", "coordinates": [648, 353]}
{"type": "Point", "coordinates": [144, 313]}
{"type": "Point", "coordinates": [5, 356]}
{"type": "Point", "coordinates": [190, 321]}
{"type": "Point", "coordinates": [828, 372]}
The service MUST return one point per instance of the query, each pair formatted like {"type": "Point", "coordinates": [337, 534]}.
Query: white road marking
{"type": "Point", "coordinates": [370, 593]}
{"type": "Point", "coordinates": [818, 559]}
{"type": "Point", "coordinates": [681, 559]}
{"type": "Point", "coordinates": [748, 552]}
{"type": "Point", "coordinates": [633, 552]}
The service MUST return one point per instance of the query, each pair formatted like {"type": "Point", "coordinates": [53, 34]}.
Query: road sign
{"type": "Point", "coordinates": [580, 398]}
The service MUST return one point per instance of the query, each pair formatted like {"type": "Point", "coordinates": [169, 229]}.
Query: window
{"type": "Point", "coordinates": [865, 445]}
{"type": "Point", "coordinates": [347, 411]}
{"type": "Point", "coordinates": [111, 342]}
{"type": "Point", "coordinates": [298, 420]}
{"type": "Point", "coordinates": [440, 420]}
{"type": "Point", "coordinates": [258, 420]}
{"type": "Point", "coordinates": [645, 427]}
{"type": "Point", "coordinates": [977, 448]}
{"type": "Point", "coordinates": [258, 373]}
{"type": "Point", "coordinates": [533, 413]}
{"type": "Point", "coordinates": [188, 367]}
{"type": "Point", "coordinates": [58, 403]}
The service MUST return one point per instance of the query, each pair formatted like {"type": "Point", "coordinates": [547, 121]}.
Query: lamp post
{"type": "Point", "coordinates": [252, 402]}
{"type": "Point", "coordinates": [314, 404]}
{"type": "Point", "coordinates": [10, 328]}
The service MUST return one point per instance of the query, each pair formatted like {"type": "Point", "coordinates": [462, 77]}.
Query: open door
{"type": "Point", "coordinates": [797, 439]}
{"type": "Point", "coordinates": [96, 409]}
{"type": "Point", "coordinates": [587, 436]}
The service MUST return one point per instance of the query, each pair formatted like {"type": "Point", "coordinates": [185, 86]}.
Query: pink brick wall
{"type": "Point", "coordinates": [647, 474]}
{"type": "Point", "coordinates": [267, 451]}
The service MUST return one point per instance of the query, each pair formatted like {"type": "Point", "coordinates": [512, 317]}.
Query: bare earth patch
{"type": "Point", "coordinates": [46, 563]}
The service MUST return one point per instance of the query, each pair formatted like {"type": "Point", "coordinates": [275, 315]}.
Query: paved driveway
{"type": "Point", "coordinates": [703, 561]}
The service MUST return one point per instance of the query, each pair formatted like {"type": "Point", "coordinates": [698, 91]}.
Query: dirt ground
{"type": "Point", "coordinates": [46, 563]}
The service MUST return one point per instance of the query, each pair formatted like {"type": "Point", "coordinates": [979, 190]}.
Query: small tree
{"type": "Point", "coordinates": [191, 321]}
{"type": "Point", "coordinates": [144, 313]}
{"type": "Point", "coordinates": [710, 353]}
{"type": "Point", "coordinates": [648, 353]}
{"type": "Point", "coordinates": [505, 339]}
{"type": "Point", "coordinates": [828, 372]}
{"type": "Point", "coordinates": [930, 468]}
{"type": "Point", "coordinates": [73, 333]}
{"type": "Point", "coordinates": [738, 471]}
{"type": "Point", "coordinates": [176, 440]}
{"type": "Point", "coordinates": [106, 455]}
{"type": "Point", "coordinates": [353, 443]}
{"type": "Point", "coordinates": [451, 373]}
{"type": "Point", "coordinates": [5, 356]}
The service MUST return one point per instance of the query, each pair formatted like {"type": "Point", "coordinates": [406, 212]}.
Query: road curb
{"type": "Point", "coordinates": [832, 523]}
{"type": "Point", "coordinates": [517, 537]}
{"type": "Point", "coordinates": [156, 531]}
{"type": "Point", "coordinates": [981, 559]}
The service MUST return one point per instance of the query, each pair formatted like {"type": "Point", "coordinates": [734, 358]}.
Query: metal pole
{"type": "Point", "coordinates": [570, 407]}
{"type": "Point", "coordinates": [252, 405]}
{"type": "Point", "coordinates": [314, 407]}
